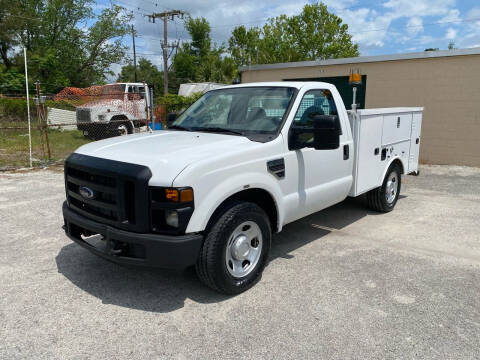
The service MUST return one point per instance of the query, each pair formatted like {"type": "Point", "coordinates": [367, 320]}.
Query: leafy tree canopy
{"type": "Point", "coordinates": [146, 71]}
{"type": "Point", "coordinates": [313, 34]}
{"type": "Point", "coordinates": [67, 44]}
{"type": "Point", "coordinates": [200, 60]}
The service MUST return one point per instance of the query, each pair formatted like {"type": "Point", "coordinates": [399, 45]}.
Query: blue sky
{"type": "Point", "coordinates": [379, 27]}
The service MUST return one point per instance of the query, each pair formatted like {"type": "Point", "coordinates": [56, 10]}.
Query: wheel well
{"type": "Point", "coordinates": [400, 165]}
{"type": "Point", "coordinates": [118, 118]}
{"type": "Point", "coordinates": [257, 196]}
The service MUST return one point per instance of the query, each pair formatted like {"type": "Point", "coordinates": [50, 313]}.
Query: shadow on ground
{"type": "Point", "coordinates": [166, 290]}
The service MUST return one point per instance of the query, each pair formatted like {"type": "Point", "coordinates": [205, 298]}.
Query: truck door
{"type": "Point", "coordinates": [324, 177]}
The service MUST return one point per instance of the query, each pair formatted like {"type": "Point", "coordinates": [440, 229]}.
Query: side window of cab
{"type": "Point", "coordinates": [315, 102]}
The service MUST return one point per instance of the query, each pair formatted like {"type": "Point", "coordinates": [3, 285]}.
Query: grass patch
{"type": "Point", "coordinates": [14, 150]}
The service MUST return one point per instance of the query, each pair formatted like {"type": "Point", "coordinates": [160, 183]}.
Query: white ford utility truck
{"type": "Point", "coordinates": [118, 110]}
{"type": "Point", "coordinates": [231, 170]}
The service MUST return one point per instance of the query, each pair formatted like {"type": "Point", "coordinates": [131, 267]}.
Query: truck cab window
{"type": "Point", "coordinates": [253, 112]}
{"type": "Point", "coordinates": [314, 102]}
{"type": "Point", "coordinates": [141, 91]}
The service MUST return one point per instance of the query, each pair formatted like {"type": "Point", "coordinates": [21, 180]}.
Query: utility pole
{"type": "Point", "coordinates": [134, 54]}
{"type": "Point", "coordinates": [166, 15]}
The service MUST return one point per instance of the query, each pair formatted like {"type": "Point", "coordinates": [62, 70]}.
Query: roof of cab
{"type": "Point", "coordinates": [126, 83]}
{"type": "Point", "coordinates": [294, 84]}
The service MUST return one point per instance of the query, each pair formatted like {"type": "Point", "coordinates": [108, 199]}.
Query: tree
{"type": "Point", "coordinates": [62, 50]}
{"type": "Point", "coordinates": [146, 71]}
{"type": "Point", "coordinates": [313, 34]}
{"type": "Point", "coordinates": [244, 45]}
{"type": "Point", "coordinates": [9, 25]}
{"type": "Point", "coordinates": [200, 60]}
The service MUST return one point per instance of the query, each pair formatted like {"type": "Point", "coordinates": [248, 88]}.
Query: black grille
{"type": "Point", "coordinates": [83, 115]}
{"type": "Point", "coordinates": [116, 192]}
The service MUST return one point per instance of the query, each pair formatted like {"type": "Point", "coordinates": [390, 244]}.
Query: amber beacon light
{"type": "Point", "coordinates": [355, 80]}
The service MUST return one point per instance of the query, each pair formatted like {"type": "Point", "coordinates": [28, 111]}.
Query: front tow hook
{"type": "Point", "coordinates": [118, 249]}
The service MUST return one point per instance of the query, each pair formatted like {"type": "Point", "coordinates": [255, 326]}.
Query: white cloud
{"type": "Point", "coordinates": [471, 34]}
{"type": "Point", "coordinates": [373, 29]}
{"type": "Point", "coordinates": [367, 27]}
{"type": "Point", "coordinates": [407, 8]}
{"type": "Point", "coordinates": [414, 26]}
{"type": "Point", "coordinates": [451, 34]}
{"type": "Point", "coordinates": [452, 16]}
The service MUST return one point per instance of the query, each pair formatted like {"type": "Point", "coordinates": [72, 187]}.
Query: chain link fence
{"type": "Point", "coordinates": [61, 123]}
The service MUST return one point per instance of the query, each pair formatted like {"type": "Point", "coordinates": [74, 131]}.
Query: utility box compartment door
{"type": "Point", "coordinates": [415, 142]}
{"type": "Point", "coordinates": [369, 169]}
{"type": "Point", "coordinates": [396, 128]}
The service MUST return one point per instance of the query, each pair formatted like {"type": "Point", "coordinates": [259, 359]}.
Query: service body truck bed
{"type": "Point", "coordinates": [383, 134]}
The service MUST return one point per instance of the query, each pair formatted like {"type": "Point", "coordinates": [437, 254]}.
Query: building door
{"type": "Point", "coordinates": [344, 88]}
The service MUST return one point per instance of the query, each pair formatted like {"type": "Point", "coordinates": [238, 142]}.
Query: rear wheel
{"type": "Point", "coordinates": [236, 249]}
{"type": "Point", "coordinates": [384, 198]}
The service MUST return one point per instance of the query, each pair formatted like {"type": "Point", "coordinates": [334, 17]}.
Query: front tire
{"type": "Point", "coordinates": [123, 129]}
{"type": "Point", "coordinates": [384, 198]}
{"type": "Point", "coordinates": [236, 249]}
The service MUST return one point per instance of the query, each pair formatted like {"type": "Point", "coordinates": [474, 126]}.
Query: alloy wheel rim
{"type": "Point", "coordinates": [123, 130]}
{"type": "Point", "coordinates": [243, 249]}
{"type": "Point", "coordinates": [391, 188]}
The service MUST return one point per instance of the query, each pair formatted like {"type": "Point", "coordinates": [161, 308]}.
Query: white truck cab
{"type": "Point", "coordinates": [231, 170]}
{"type": "Point", "coordinates": [118, 110]}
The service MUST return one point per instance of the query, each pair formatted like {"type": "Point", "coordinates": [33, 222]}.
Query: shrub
{"type": "Point", "coordinates": [177, 103]}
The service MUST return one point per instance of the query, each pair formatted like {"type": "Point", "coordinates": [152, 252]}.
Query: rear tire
{"type": "Point", "coordinates": [384, 198]}
{"type": "Point", "coordinates": [236, 249]}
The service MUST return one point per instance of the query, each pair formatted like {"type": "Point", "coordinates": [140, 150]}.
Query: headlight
{"type": "Point", "coordinates": [171, 218]}
{"type": "Point", "coordinates": [171, 209]}
{"type": "Point", "coordinates": [101, 117]}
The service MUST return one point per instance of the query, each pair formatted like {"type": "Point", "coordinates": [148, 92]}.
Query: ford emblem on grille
{"type": "Point", "coordinates": [86, 192]}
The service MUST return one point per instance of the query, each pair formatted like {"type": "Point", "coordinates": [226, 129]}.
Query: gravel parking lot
{"type": "Point", "coordinates": [342, 283]}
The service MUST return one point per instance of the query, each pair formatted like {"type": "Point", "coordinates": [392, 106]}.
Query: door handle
{"type": "Point", "coordinates": [384, 154]}
{"type": "Point", "coordinates": [346, 152]}
{"type": "Point", "coordinates": [417, 141]}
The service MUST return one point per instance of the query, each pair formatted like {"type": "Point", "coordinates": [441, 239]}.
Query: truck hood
{"type": "Point", "coordinates": [166, 153]}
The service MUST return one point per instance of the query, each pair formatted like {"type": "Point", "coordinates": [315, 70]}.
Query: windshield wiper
{"type": "Point", "coordinates": [178, 127]}
{"type": "Point", "coordinates": [219, 130]}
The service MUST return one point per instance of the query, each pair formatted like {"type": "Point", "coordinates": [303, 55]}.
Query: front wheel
{"type": "Point", "coordinates": [384, 198]}
{"type": "Point", "coordinates": [236, 249]}
{"type": "Point", "coordinates": [123, 129]}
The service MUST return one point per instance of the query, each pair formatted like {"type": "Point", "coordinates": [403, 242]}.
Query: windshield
{"type": "Point", "coordinates": [244, 111]}
{"type": "Point", "coordinates": [114, 91]}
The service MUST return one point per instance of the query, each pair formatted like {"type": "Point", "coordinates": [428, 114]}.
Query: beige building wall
{"type": "Point", "coordinates": [447, 87]}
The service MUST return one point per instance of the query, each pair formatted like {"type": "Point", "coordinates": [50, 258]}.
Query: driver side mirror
{"type": "Point", "coordinates": [321, 133]}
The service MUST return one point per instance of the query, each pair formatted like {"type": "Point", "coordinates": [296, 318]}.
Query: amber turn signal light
{"type": "Point", "coordinates": [183, 195]}
{"type": "Point", "coordinates": [186, 195]}
{"type": "Point", "coordinates": [171, 194]}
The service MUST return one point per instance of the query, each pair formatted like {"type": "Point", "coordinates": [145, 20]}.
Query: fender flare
{"type": "Point", "coordinates": [405, 166]}
{"type": "Point", "coordinates": [126, 119]}
{"type": "Point", "coordinates": [202, 215]}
